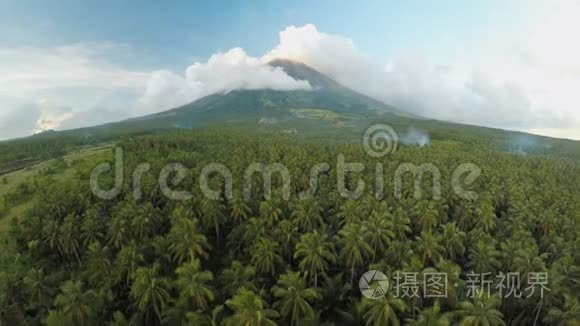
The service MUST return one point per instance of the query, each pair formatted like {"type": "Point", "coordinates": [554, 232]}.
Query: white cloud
{"type": "Point", "coordinates": [530, 87]}
{"type": "Point", "coordinates": [166, 90]}
{"type": "Point", "coordinates": [47, 88]}
{"type": "Point", "coordinates": [222, 73]}
{"type": "Point", "coordinates": [569, 133]}
{"type": "Point", "coordinates": [29, 69]}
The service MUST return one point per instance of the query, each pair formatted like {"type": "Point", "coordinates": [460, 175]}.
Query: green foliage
{"type": "Point", "coordinates": [249, 309]}
{"type": "Point", "coordinates": [193, 284]}
{"type": "Point", "coordinates": [294, 297]}
{"type": "Point", "coordinates": [75, 259]}
{"type": "Point", "coordinates": [150, 293]}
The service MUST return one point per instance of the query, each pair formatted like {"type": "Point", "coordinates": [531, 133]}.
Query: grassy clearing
{"type": "Point", "coordinates": [11, 181]}
{"type": "Point", "coordinates": [323, 114]}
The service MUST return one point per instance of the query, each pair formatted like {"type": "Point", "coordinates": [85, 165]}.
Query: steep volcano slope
{"type": "Point", "coordinates": [326, 97]}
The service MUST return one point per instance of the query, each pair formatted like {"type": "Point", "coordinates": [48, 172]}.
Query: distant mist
{"type": "Point", "coordinates": [521, 145]}
{"type": "Point", "coordinates": [183, 125]}
{"type": "Point", "coordinates": [268, 121]}
{"type": "Point", "coordinates": [525, 144]}
{"type": "Point", "coordinates": [415, 137]}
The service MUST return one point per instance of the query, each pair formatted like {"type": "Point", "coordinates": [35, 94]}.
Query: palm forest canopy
{"type": "Point", "coordinates": [71, 258]}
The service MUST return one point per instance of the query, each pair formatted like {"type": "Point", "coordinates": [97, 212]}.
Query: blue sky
{"type": "Point", "coordinates": [508, 64]}
{"type": "Point", "coordinates": [173, 35]}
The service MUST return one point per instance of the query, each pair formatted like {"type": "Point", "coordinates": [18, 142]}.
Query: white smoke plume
{"type": "Point", "coordinates": [415, 137]}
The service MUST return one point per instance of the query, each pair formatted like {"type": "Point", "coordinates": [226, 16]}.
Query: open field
{"type": "Point", "coordinates": [323, 114]}
{"type": "Point", "coordinates": [11, 181]}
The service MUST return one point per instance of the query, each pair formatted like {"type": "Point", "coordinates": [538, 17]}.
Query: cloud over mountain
{"type": "Point", "coordinates": [222, 73]}
{"type": "Point", "coordinates": [520, 90]}
{"type": "Point", "coordinates": [503, 92]}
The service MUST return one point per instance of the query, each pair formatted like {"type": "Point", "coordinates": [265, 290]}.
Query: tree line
{"type": "Point", "coordinates": [81, 260]}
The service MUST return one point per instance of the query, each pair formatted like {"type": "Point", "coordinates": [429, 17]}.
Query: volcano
{"type": "Point", "coordinates": [327, 102]}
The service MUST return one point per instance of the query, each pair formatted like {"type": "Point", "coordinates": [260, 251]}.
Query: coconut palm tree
{"type": "Point", "coordinates": [526, 262]}
{"type": "Point", "coordinates": [128, 259]}
{"type": "Point", "coordinates": [237, 276]}
{"type": "Point", "coordinates": [430, 317]}
{"type": "Point", "coordinates": [383, 311]}
{"type": "Point", "coordinates": [286, 233]}
{"type": "Point", "coordinates": [569, 314]}
{"type": "Point", "coordinates": [143, 223]}
{"type": "Point", "coordinates": [270, 212]}
{"type": "Point", "coordinates": [307, 215]}
{"type": "Point", "coordinates": [429, 248]}
{"type": "Point", "coordinates": [91, 230]}
{"type": "Point", "coordinates": [75, 305]}
{"type": "Point", "coordinates": [249, 309]}
{"type": "Point", "coordinates": [240, 211]}
{"type": "Point", "coordinates": [483, 258]}
{"type": "Point", "coordinates": [99, 262]}
{"type": "Point", "coordinates": [186, 241]}
{"type": "Point", "coordinates": [38, 286]}
{"type": "Point", "coordinates": [294, 297]}
{"type": "Point", "coordinates": [12, 313]}
{"type": "Point", "coordinates": [566, 273]}
{"type": "Point", "coordinates": [316, 253]}
{"type": "Point", "coordinates": [453, 240]}
{"type": "Point", "coordinates": [50, 235]}
{"type": "Point", "coordinates": [485, 216]}
{"type": "Point", "coordinates": [118, 231]}
{"type": "Point", "coordinates": [183, 211]}
{"type": "Point", "coordinates": [349, 213]}
{"type": "Point", "coordinates": [193, 286]}
{"type": "Point", "coordinates": [212, 215]}
{"type": "Point", "coordinates": [401, 224]}
{"type": "Point", "coordinates": [265, 255]}
{"type": "Point", "coordinates": [68, 238]}
{"type": "Point", "coordinates": [378, 232]}
{"type": "Point", "coordinates": [466, 216]}
{"type": "Point", "coordinates": [150, 292]}
{"type": "Point", "coordinates": [354, 248]}
{"type": "Point", "coordinates": [428, 218]}
{"type": "Point", "coordinates": [454, 283]}
{"type": "Point", "coordinates": [254, 229]}
{"type": "Point", "coordinates": [482, 311]}
{"type": "Point", "coordinates": [335, 293]}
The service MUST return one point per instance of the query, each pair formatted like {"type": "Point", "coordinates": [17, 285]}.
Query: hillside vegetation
{"type": "Point", "coordinates": [77, 259]}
